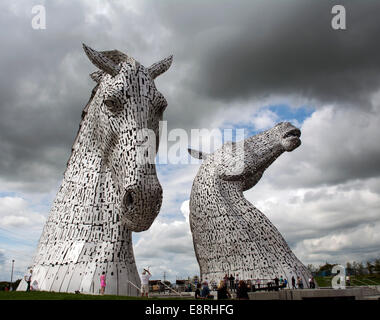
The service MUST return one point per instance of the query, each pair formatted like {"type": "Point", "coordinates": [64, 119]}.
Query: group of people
{"type": "Point", "coordinates": [7, 288]}
{"type": "Point", "coordinates": [226, 286]}
{"type": "Point", "coordinates": [145, 276]}
{"type": "Point", "coordinates": [30, 286]}
{"type": "Point", "coordinates": [203, 291]}
{"type": "Point", "coordinates": [298, 284]}
{"type": "Point", "coordinates": [233, 284]}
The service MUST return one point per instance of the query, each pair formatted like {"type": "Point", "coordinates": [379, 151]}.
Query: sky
{"type": "Point", "coordinates": [237, 65]}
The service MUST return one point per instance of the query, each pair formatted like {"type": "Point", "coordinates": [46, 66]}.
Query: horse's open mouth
{"type": "Point", "coordinates": [292, 133]}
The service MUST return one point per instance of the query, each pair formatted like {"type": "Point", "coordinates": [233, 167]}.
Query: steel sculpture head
{"type": "Point", "coordinates": [244, 162]}
{"type": "Point", "coordinates": [126, 111]}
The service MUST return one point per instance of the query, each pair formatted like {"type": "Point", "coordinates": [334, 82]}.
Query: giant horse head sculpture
{"type": "Point", "coordinates": [110, 186]}
{"type": "Point", "coordinates": [230, 235]}
{"type": "Point", "coordinates": [128, 110]}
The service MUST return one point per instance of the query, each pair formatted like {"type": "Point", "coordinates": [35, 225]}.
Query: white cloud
{"type": "Point", "coordinates": [176, 181]}
{"type": "Point", "coordinates": [264, 119]}
{"type": "Point", "coordinates": [337, 145]}
{"type": "Point", "coordinates": [324, 197]}
{"type": "Point", "coordinates": [337, 220]}
{"type": "Point", "coordinates": [185, 209]}
{"type": "Point", "coordinates": [168, 247]}
{"type": "Point", "coordinates": [14, 221]}
{"type": "Point", "coordinates": [20, 229]}
{"type": "Point", "coordinates": [15, 212]}
{"type": "Point", "coordinates": [320, 218]}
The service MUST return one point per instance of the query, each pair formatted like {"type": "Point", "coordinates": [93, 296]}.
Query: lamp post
{"type": "Point", "coordinates": [13, 263]}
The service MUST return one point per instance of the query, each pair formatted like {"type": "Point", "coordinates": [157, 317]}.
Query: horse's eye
{"type": "Point", "coordinates": [114, 105]}
{"type": "Point", "coordinates": [110, 103]}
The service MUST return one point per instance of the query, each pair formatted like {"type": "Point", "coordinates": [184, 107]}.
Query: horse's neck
{"type": "Point", "coordinates": [86, 181]}
{"type": "Point", "coordinates": [227, 195]}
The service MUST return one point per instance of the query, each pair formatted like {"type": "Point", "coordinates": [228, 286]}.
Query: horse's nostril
{"type": "Point", "coordinates": [128, 199]}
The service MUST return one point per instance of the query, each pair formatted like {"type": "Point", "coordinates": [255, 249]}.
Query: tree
{"type": "Point", "coordinates": [348, 268]}
{"type": "Point", "coordinates": [361, 268]}
{"type": "Point", "coordinates": [311, 268]}
{"type": "Point", "coordinates": [377, 265]}
{"type": "Point", "coordinates": [355, 267]}
{"type": "Point", "coordinates": [370, 267]}
{"type": "Point", "coordinates": [326, 269]}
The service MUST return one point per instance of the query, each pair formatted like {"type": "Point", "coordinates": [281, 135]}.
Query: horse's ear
{"type": "Point", "coordinates": [97, 76]}
{"type": "Point", "coordinates": [198, 154]}
{"type": "Point", "coordinates": [101, 61]}
{"type": "Point", "coordinates": [160, 67]}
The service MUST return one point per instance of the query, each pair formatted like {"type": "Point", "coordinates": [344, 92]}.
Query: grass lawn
{"type": "Point", "coordinates": [362, 280]}
{"type": "Point", "coordinates": [323, 281]}
{"type": "Point", "coordinates": [42, 295]}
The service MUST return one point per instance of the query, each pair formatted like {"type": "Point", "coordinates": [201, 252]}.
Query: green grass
{"type": "Point", "coordinates": [362, 280]}
{"type": "Point", "coordinates": [323, 281]}
{"type": "Point", "coordinates": [42, 295]}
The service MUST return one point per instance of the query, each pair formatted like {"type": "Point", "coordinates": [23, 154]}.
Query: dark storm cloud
{"type": "Point", "coordinates": [41, 98]}
{"type": "Point", "coordinates": [227, 56]}
{"type": "Point", "coordinates": [225, 51]}
{"type": "Point", "coordinates": [244, 49]}
{"type": "Point", "coordinates": [44, 87]}
{"type": "Point", "coordinates": [44, 83]}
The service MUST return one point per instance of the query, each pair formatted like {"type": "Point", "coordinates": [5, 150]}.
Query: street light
{"type": "Point", "coordinates": [13, 263]}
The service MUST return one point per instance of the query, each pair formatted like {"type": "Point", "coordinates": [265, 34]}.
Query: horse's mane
{"type": "Point", "coordinates": [83, 116]}
{"type": "Point", "coordinates": [117, 57]}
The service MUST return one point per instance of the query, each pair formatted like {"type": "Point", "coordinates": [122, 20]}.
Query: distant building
{"type": "Point", "coordinates": [158, 286]}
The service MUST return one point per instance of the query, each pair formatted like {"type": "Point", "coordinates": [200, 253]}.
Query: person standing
{"type": "Point", "coordinates": [145, 282]}
{"type": "Point", "coordinates": [236, 281]}
{"type": "Point", "coordinates": [102, 283]}
{"type": "Point", "coordinates": [28, 279]}
{"type": "Point", "coordinates": [205, 293]}
{"type": "Point", "coordinates": [293, 282]}
{"type": "Point", "coordinates": [348, 281]}
{"type": "Point", "coordinates": [226, 280]}
{"type": "Point", "coordinates": [299, 283]}
{"type": "Point", "coordinates": [232, 281]}
{"type": "Point", "coordinates": [258, 282]}
{"type": "Point", "coordinates": [312, 283]}
{"type": "Point", "coordinates": [223, 292]}
{"type": "Point", "coordinates": [276, 282]}
{"type": "Point", "coordinates": [198, 292]}
{"type": "Point", "coordinates": [250, 285]}
{"type": "Point", "coordinates": [213, 284]}
{"type": "Point", "coordinates": [242, 291]}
